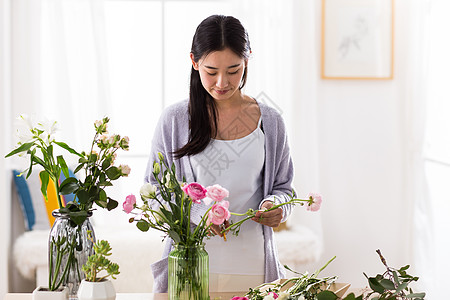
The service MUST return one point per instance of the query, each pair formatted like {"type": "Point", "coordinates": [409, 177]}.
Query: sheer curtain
{"type": "Point", "coordinates": [415, 116]}
{"type": "Point", "coordinates": [436, 208]}
{"type": "Point", "coordinates": [428, 146]}
{"type": "Point", "coordinates": [59, 70]}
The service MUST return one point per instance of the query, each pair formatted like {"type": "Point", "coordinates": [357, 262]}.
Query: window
{"type": "Point", "coordinates": [128, 60]}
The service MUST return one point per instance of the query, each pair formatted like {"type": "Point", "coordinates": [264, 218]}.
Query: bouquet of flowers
{"type": "Point", "coordinates": [188, 270]}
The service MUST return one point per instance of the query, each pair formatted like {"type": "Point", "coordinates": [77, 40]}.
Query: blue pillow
{"type": "Point", "coordinates": [37, 211]}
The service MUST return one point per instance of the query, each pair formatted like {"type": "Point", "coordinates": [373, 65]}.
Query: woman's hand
{"type": "Point", "coordinates": [269, 218]}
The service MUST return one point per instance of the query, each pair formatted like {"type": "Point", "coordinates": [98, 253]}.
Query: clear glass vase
{"type": "Point", "coordinates": [189, 273]}
{"type": "Point", "coordinates": [69, 246]}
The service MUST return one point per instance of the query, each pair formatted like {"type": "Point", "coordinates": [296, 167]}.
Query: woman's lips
{"type": "Point", "coordinates": [221, 92]}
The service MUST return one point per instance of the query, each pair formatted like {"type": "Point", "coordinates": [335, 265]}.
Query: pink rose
{"type": "Point", "coordinates": [129, 203]}
{"type": "Point", "coordinates": [273, 294]}
{"type": "Point", "coordinates": [239, 298]}
{"type": "Point", "coordinates": [219, 213]}
{"type": "Point", "coordinates": [195, 191]}
{"type": "Point", "coordinates": [316, 201]}
{"type": "Point", "coordinates": [216, 193]}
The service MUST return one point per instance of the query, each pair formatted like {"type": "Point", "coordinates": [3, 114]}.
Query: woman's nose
{"type": "Point", "coordinates": [222, 81]}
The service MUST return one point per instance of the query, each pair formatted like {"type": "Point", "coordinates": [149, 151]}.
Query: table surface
{"type": "Point", "coordinates": [151, 296]}
{"type": "Point", "coordinates": [135, 296]}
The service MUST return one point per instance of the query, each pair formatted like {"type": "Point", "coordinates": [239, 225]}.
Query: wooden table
{"type": "Point", "coordinates": [136, 296]}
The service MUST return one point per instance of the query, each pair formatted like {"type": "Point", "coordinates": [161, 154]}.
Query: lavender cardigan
{"type": "Point", "coordinates": [172, 132]}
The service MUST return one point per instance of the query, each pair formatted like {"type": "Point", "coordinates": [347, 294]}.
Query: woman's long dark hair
{"type": "Point", "coordinates": [215, 33]}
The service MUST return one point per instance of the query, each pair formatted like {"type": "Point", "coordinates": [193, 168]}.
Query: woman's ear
{"type": "Point", "coordinates": [194, 64]}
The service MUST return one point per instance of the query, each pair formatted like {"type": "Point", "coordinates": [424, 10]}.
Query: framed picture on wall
{"type": "Point", "coordinates": [357, 39]}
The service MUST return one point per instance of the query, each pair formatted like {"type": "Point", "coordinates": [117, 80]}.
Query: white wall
{"type": "Point", "coordinates": [4, 144]}
{"type": "Point", "coordinates": [361, 162]}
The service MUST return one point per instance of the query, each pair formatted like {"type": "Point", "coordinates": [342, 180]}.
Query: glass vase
{"type": "Point", "coordinates": [69, 246]}
{"type": "Point", "coordinates": [188, 273]}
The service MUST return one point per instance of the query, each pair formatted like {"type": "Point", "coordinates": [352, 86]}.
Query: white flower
{"type": "Point", "coordinates": [112, 140]}
{"type": "Point", "coordinates": [26, 120]}
{"type": "Point", "coordinates": [285, 296]}
{"type": "Point", "coordinates": [125, 169]}
{"type": "Point", "coordinates": [104, 139]}
{"type": "Point", "coordinates": [269, 297]}
{"type": "Point", "coordinates": [49, 127]}
{"type": "Point", "coordinates": [25, 129]}
{"type": "Point", "coordinates": [148, 191]}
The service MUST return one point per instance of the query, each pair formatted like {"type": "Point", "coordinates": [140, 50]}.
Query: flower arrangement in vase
{"type": "Point", "coordinates": [188, 262]}
{"type": "Point", "coordinates": [69, 246]}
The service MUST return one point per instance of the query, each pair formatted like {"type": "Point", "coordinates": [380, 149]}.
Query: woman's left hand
{"type": "Point", "coordinates": [269, 218]}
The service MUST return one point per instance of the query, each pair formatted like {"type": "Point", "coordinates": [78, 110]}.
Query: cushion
{"type": "Point", "coordinates": [36, 211]}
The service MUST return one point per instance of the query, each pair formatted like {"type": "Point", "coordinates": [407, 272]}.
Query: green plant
{"type": "Point", "coordinates": [99, 262]}
{"type": "Point", "coordinates": [391, 285]}
{"type": "Point", "coordinates": [305, 286]}
{"type": "Point", "coordinates": [38, 143]}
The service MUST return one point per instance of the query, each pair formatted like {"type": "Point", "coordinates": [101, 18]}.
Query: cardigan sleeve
{"type": "Point", "coordinates": [279, 170]}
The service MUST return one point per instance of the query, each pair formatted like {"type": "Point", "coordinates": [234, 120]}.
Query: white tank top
{"type": "Point", "coordinates": [236, 165]}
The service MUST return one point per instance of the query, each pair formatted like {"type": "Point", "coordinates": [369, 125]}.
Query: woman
{"type": "Point", "coordinates": [222, 136]}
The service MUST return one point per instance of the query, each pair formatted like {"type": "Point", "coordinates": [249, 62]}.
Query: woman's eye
{"type": "Point", "coordinates": [212, 74]}
{"type": "Point", "coordinates": [235, 72]}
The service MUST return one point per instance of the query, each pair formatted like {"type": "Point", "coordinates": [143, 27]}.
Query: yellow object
{"type": "Point", "coordinates": [52, 203]}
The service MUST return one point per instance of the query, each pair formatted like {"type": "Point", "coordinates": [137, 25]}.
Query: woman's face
{"type": "Point", "coordinates": [221, 73]}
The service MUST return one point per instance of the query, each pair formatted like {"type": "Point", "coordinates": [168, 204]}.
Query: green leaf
{"type": "Point", "coordinates": [78, 217]}
{"type": "Point", "coordinates": [402, 286]}
{"type": "Point", "coordinates": [68, 186]}
{"type": "Point", "coordinates": [78, 168]}
{"type": "Point", "coordinates": [102, 204]}
{"type": "Point", "coordinates": [44, 183]}
{"type": "Point", "coordinates": [352, 296]}
{"type": "Point", "coordinates": [65, 146]}
{"type": "Point", "coordinates": [375, 285]}
{"type": "Point", "coordinates": [22, 148]}
{"type": "Point", "coordinates": [92, 158]}
{"type": "Point", "coordinates": [102, 195]}
{"type": "Point", "coordinates": [396, 278]}
{"type": "Point", "coordinates": [387, 284]}
{"type": "Point", "coordinates": [143, 225]}
{"type": "Point", "coordinates": [106, 163]}
{"type": "Point", "coordinates": [83, 196]}
{"type": "Point", "coordinates": [326, 295]}
{"type": "Point", "coordinates": [174, 235]}
{"type": "Point", "coordinates": [112, 204]}
{"type": "Point", "coordinates": [416, 295]}
{"type": "Point", "coordinates": [113, 173]}
{"type": "Point", "coordinates": [62, 163]}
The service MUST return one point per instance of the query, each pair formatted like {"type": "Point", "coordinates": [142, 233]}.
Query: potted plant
{"type": "Point", "coordinates": [69, 246]}
{"type": "Point", "coordinates": [95, 285]}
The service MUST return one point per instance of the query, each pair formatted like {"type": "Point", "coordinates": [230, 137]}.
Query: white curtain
{"type": "Point", "coordinates": [283, 73]}
{"type": "Point", "coordinates": [415, 113]}
{"type": "Point", "coordinates": [59, 70]}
